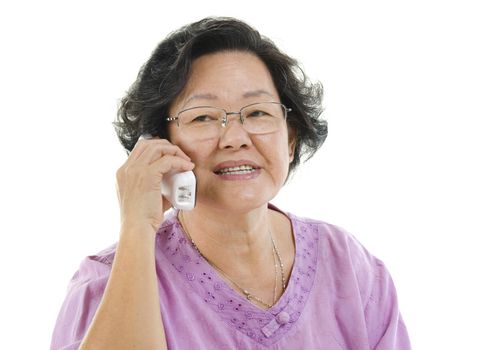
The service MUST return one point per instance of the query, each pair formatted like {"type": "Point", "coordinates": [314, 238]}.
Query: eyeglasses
{"type": "Point", "coordinates": [205, 122]}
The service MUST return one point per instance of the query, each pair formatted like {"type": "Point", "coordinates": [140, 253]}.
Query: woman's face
{"type": "Point", "coordinates": [232, 80]}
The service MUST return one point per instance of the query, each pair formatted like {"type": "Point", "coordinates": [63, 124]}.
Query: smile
{"type": "Point", "coordinates": [237, 170]}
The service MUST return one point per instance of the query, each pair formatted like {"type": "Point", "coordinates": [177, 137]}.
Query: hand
{"type": "Point", "coordinates": [139, 181]}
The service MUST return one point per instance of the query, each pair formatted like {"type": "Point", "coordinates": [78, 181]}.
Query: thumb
{"type": "Point", "coordinates": [165, 204]}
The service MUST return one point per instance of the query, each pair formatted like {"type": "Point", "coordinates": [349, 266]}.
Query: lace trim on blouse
{"type": "Point", "coordinates": [263, 326]}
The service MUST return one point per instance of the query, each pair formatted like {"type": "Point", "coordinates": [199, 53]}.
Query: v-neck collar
{"type": "Point", "coordinates": [265, 326]}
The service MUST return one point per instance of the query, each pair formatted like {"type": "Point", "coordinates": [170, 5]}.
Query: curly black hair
{"type": "Point", "coordinates": [165, 74]}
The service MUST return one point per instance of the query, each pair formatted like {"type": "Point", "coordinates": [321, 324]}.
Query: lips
{"type": "Point", "coordinates": [236, 168]}
{"type": "Point", "coordinates": [243, 169]}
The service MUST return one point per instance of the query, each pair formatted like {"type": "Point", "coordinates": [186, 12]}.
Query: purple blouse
{"type": "Point", "coordinates": [338, 297]}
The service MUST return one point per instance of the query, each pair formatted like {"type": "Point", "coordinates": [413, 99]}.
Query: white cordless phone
{"type": "Point", "coordinates": [178, 188]}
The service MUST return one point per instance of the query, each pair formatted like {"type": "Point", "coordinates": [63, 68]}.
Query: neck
{"type": "Point", "coordinates": [225, 238]}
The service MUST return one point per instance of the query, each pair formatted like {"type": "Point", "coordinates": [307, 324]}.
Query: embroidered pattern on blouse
{"type": "Point", "coordinates": [263, 326]}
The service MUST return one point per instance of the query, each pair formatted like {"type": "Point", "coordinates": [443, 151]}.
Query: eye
{"type": "Point", "coordinates": [202, 118]}
{"type": "Point", "coordinates": [257, 113]}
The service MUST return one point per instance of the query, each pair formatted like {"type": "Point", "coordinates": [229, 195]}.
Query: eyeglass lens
{"type": "Point", "coordinates": [207, 122]}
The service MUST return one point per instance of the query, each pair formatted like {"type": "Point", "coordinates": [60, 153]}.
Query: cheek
{"type": "Point", "coordinates": [198, 152]}
{"type": "Point", "coordinates": [193, 150]}
{"type": "Point", "coordinates": [173, 134]}
{"type": "Point", "coordinates": [277, 153]}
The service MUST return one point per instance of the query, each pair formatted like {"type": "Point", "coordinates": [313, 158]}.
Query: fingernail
{"type": "Point", "coordinates": [145, 137]}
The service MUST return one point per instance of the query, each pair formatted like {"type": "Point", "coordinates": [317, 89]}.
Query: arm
{"type": "Point", "coordinates": [129, 316]}
{"type": "Point", "coordinates": [385, 325]}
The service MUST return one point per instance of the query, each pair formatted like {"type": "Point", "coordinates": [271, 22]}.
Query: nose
{"type": "Point", "coordinates": [233, 134]}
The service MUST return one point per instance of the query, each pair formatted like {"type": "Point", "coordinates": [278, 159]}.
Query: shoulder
{"type": "Point", "coordinates": [94, 267]}
{"type": "Point", "coordinates": [330, 236]}
{"type": "Point", "coordinates": [84, 293]}
{"type": "Point", "coordinates": [98, 266]}
{"type": "Point", "coordinates": [354, 276]}
{"type": "Point", "coordinates": [340, 254]}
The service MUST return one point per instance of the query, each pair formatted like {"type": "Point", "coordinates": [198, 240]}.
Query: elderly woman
{"type": "Point", "coordinates": [235, 272]}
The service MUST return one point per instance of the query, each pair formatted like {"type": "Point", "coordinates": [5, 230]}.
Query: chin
{"type": "Point", "coordinates": [236, 202]}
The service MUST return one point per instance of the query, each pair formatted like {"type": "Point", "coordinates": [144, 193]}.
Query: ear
{"type": "Point", "coordinates": [292, 142]}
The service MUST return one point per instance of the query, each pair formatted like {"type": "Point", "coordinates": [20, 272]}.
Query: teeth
{"type": "Point", "coordinates": [242, 169]}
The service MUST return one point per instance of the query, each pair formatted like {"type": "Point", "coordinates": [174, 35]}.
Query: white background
{"type": "Point", "coordinates": [407, 166]}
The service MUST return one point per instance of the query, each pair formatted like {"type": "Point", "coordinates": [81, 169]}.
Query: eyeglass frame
{"type": "Point", "coordinates": [224, 120]}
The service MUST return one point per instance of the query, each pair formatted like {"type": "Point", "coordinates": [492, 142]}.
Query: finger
{"type": "Point", "coordinates": [139, 147]}
{"type": "Point", "coordinates": [158, 150]}
{"type": "Point", "coordinates": [169, 163]}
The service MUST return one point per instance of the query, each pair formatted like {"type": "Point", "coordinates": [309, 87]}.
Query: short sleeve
{"type": "Point", "coordinates": [385, 325]}
{"type": "Point", "coordinates": [84, 294]}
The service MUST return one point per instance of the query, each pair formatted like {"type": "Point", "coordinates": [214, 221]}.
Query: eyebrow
{"type": "Point", "coordinates": [200, 97]}
{"type": "Point", "coordinates": [207, 96]}
{"type": "Point", "coordinates": [256, 93]}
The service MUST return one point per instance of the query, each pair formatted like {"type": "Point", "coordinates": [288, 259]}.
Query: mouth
{"type": "Point", "coordinates": [236, 170]}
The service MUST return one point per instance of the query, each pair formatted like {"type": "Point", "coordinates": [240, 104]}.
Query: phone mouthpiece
{"type": "Point", "coordinates": [180, 190]}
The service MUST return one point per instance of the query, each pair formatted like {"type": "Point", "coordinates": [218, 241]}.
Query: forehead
{"type": "Point", "coordinates": [227, 78]}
